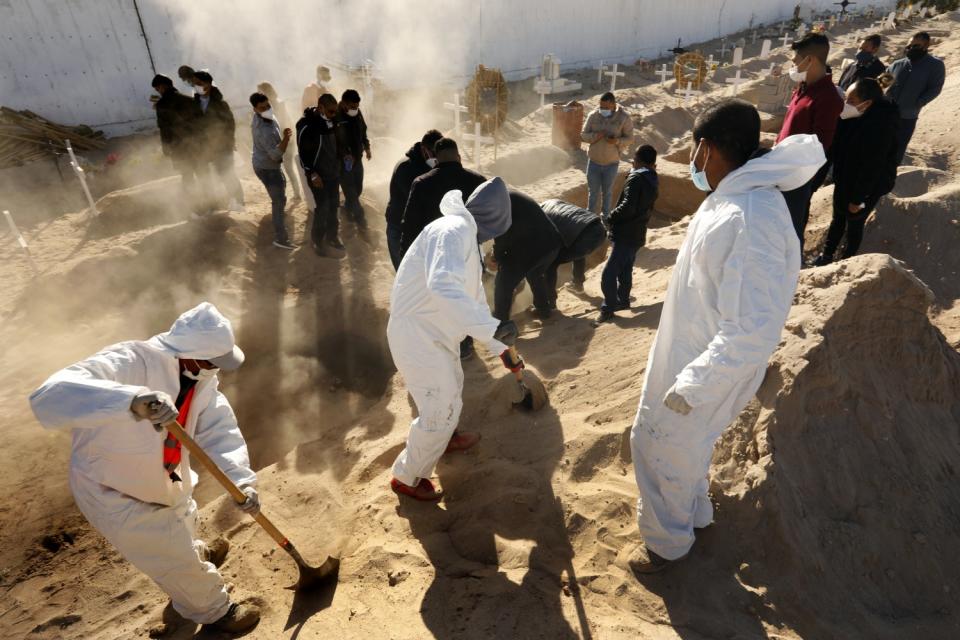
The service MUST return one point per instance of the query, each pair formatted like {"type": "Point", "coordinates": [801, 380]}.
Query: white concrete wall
{"type": "Point", "coordinates": [86, 61]}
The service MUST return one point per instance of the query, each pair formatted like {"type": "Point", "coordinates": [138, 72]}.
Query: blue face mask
{"type": "Point", "coordinates": [700, 177]}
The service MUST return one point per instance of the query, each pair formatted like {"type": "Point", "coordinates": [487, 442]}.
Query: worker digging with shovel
{"type": "Point", "coordinates": [437, 301]}
{"type": "Point", "coordinates": [132, 479]}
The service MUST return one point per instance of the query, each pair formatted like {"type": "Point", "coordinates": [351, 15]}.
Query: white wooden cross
{"type": "Point", "coordinates": [783, 27]}
{"type": "Point", "coordinates": [457, 109]}
{"type": "Point", "coordinates": [891, 21]}
{"type": "Point", "coordinates": [907, 12]}
{"type": "Point", "coordinates": [769, 71]}
{"type": "Point", "coordinates": [923, 12]}
{"type": "Point", "coordinates": [786, 39]}
{"type": "Point", "coordinates": [478, 139]}
{"type": "Point", "coordinates": [689, 92]}
{"type": "Point", "coordinates": [723, 48]}
{"type": "Point", "coordinates": [765, 50]}
{"type": "Point", "coordinates": [23, 243]}
{"type": "Point", "coordinates": [77, 169]}
{"type": "Point", "coordinates": [736, 81]}
{"type": "Point", "coordinates": [600, 69]}
{"type": "Point", "coordinates": [738, 57]}
{"type": "Point", "coordinates": [710, 62]}
{"type": "Point", "coordinates": [663, 73]}
{"type": "Point", "coordinates": [614, 74]}
{"type": "Point", "coordinates": [801, 30]}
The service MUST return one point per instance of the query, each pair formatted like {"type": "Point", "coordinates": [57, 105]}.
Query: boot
{"type": "Point", "coordinates": [644, 561]}
{"type": "Point", "coordinates": [424, 491]}
{"type": "Point", "coordinates": [237, 619]}
{"type": "Point", "coordinates": [216, 551]}
{"type": "Point", "coordinates": [462, 440]}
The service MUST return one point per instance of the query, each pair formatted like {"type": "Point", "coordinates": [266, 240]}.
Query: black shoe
{"type": "Point", "coordinates": [542, 313]}
{"type": "Point", "coordinates": [822, 261]}
{"type": "Point", "coordinates": [606, 315]}
{"type": "Point", "coordinates": [334, 241]}
{"type": "Point", "coordinates": [643, 561]}
{"type": "Point", "coordinates": [622, 306]}
{"type": "Point", "coordinates": [576, 285]}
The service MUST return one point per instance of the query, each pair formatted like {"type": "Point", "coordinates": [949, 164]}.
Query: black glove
{"type": "Point", "coordinates": [507, 333]}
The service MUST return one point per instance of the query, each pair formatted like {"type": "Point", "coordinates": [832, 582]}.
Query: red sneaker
{"type": "Point", "coordinates": [461, 441]}
{"type": "Point", "coordinates": [424, 490]}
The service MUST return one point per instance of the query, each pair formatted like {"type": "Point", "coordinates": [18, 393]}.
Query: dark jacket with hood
{"type": "Point", "coordinates": [569, 219]}
{"type": "Point", "coordinates": [423, 205]}
{"type": "Point", "coordinates": [317, 145]}
{"type": "Point", "coordinates": [531, 235]}
{"type": "Point", "coordinates": [178, 118]}
{"type": "Point", "coordinates": [406, 171]}
{"type": "Point", "coordinates": [218, 124]}
{"type": "Point", "coordinates": [628, 220]}
{"type": "Point", "coordinates": [351, 135]}
{"type": "Point", "coordinates": [858, 71]}
{"type": "Point", "coordinates": [864, 154]}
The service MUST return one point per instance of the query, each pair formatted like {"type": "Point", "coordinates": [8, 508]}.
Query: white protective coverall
{"type": "Point", "coordinates": [116, 468]}
{"type": "Point", "coordinates": [727, 302]}
{"type": "Point", "coordinates": [437, 300]}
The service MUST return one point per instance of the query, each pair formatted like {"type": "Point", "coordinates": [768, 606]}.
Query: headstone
{"type": "Point", "coordinates": [786, 39]}
{"type": "Point", "coordinates": [765, 50]}
{"type": "Point", "coordinates": [689, 92]}
{"type": "Point", "coordinates": [614, 74]}
{"type": "Point", "coordinates": [738, 57]}
{"type": "Point", "coordinates": [723, 48]}
{"type": "Point", "coordinates": [736, 81]}
{"type": "Point", "coordinates": [663, 73]}
{"type": "Point", "coordinates": [600, 69]}
{"type": "Point", "coordinates": [753, 37]}
{"type": "Point", "coordinates": [457, 109]}
{"type": "Point", "coordinates": [550, 81]}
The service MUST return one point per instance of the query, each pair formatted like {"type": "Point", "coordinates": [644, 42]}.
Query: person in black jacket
{"type": "Point", "coordinates": [628, 231]}
{"type": "Point", "coordinates": [423, 206]}
{"type": "Point", "coordinates": [526, 250]}
{"type": "Point", "coordinates": [419, 159]}
{"type": "Point", "coordinates": [864, 156]}
{"type": "Point", "coordinates": [317, 147]}
{"type": "Point", "coordinates": [352, 146]}
{"type": "Point", "coordinates": [581, 231]}
{"type": "Point", "coordinates": [867, 64]}
{"type": "Point", "coordinates": [218, 132]}
{"type": "Point", "coordinates": [178, 120]}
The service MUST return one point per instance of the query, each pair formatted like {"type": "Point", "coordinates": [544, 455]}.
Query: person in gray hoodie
{"type": "Point", "coordinates": [609, 131]}
{"type": "Point", "coordinates": [917, 80]}
{"type": "Point", "coordinates": [269, 146]}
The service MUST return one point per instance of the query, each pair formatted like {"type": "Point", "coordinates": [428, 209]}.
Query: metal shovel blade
{"type": "Point", "coordinates": [312, 576]}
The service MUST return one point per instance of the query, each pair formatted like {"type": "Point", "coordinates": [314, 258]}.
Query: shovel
{"type": "Point", "coordinates": [533, 396]}
{"type": "Point", "coordinates": [309, 576]}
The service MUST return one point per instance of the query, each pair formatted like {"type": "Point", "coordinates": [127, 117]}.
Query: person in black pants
{"type": "Point", "coordinates": [628, 231]}
{"type": "Point", "coordinates": [317, 146]}
{"type": "Point", "coordinates": [581, 232]}
{"type": "Point", "coordinates": [352, 146]}
{"type": "Point", "coordinates": [526, 250]}
{"type": "Point", "coordinates": [864, 156]}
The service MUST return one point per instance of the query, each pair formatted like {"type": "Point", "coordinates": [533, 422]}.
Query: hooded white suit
{"type": "Point", "coordinates": [437, 301]}
{"type": "Point", "coordinates": [116, 468]}
{"type": "Point", "coordinates": [728, 299]}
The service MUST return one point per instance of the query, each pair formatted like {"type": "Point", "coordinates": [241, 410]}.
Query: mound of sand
{"type": "Point", "coordinates": [840, 482]}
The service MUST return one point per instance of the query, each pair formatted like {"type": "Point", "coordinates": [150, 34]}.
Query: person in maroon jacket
{"type": "Point", "coordinates": [814, 109]}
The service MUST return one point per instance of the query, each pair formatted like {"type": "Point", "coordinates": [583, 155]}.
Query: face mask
{"type": "Point", "coordinates": [796, 75]}
{"type": "Point", "coordinates": [606, 113]}
{"type": "Point", "coordinates": [700, 177]}
{"type": "Point", "coordinates": [850, 111]}
{"type": "Point", "coordinates": [268, 114]}
{"type": "Point", "coordinates": [203, 374]}
{"type": "Point", "coordinates": [431, 162]}
{"type": "Point", "coordinates": [864, 57]}
{"type": "Point", "coordinates": [353, 113]}
{"type": "Point", "coordinates": [915, 53]}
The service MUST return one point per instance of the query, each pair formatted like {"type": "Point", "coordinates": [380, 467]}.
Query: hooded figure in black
{"type": "Point", "coordinates": [218, 128]}
{"type": "Point", "coordinates": [352, 146]}
{"type": "Point", "coordinates": [178, 119]}
{"type": "Point", "coordinates": [864, 157]}
{"type": "Point", "coordinates": [317, 148]}
{"type": "Point", "coordinates": [420, 158]}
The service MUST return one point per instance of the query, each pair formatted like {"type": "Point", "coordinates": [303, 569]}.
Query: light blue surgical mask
{"type": "Point", "coordinates": [606, 113]}
{"type": "Point", "coordinates": [700, 177]}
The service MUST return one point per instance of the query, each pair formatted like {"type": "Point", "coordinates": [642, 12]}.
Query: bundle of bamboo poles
{"type": "Point", "coordinates": [25, 137]}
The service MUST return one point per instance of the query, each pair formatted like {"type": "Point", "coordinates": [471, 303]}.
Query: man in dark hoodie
{"type": "Point", "coordinates": [628, 231]}
{"type": "Point", "coordinates": [178, 119]}
{"type": "Point", "coordinates": [352, 146]}
{"type": "Point", "coordinates": [317, 146]}
{"type": "Point", "coordinates": [526, 250]}
{"type": "Point", "coordinates": [581, 232]}
{"type": "Point", "coordinates": [419, 159]}
{"type": "Point", "coordinates": [423, 206]}
{"type": "Point", "coordinates": [864, 156]}
{"type": "Point", "coordinates": [219, 128]}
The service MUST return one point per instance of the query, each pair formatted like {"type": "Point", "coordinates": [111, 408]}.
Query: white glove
{"type": "Point", "coordinates": [155, 406]}
{"type": "Point", "coordinates": [676, 402]}
{"type": "Point", "coordinates": [250, 506]}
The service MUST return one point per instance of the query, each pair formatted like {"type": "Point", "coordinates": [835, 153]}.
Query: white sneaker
{"type": "Point", "coordinates": [289, 246]}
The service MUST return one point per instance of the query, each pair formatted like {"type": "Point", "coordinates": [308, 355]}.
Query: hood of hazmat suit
{"type": "Point", "coordinates": [437, 301]}
{"type": "Point", "coordinates": [728, 299]}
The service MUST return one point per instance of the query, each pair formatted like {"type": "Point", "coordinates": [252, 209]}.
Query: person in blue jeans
{"type": "Point", "coordinates": [627, 225]}
{"type": "Point", "coordinates": [609, 131]}
{"type": "Point", "coordinates": [269, 145]}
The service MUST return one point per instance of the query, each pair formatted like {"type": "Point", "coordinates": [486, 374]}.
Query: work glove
{"type": "Point", "coordinates": [506, 333]}
{"type": "Point", "coordinates": [155, 406]}
{"type": "Point", "coordinates": [250, 506]}
{"type": "Point", "coordinates": [509, 363]}
{"type": "Point", "coordinates": [676, 402]}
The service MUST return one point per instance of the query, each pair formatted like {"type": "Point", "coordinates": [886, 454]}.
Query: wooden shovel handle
{"type": "Point", "coordinates": [515, 357]}
{"type": "Point", "coordinates": [197, 452]}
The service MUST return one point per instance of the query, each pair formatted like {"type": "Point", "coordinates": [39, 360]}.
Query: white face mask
{"type": "Point", "coordinates": [606, 113]}
{"type": "Point", "coordinates": [353, 113]}
{"type": "Point", "coordinates": [203, 374]}
{"type": "Point", "coordinates": [268, 114]}
{"type": "Point", "coordinates": [431, 162]}
{"type": "Point", "coordinates": [796, 75]}
{"type": "Point", "coordinates": [850, 111]}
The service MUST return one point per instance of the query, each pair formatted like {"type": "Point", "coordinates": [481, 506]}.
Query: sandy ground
{"type": "Point", "coordinates": [836, 493]}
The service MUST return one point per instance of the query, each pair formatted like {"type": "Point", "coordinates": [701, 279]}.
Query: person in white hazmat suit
{"type": "Point", "coordinates": [725, 307]}
{"type": "Point", "coordinates": [437, 301]}
{"type": "Point", "coordinates": [131, 479]}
